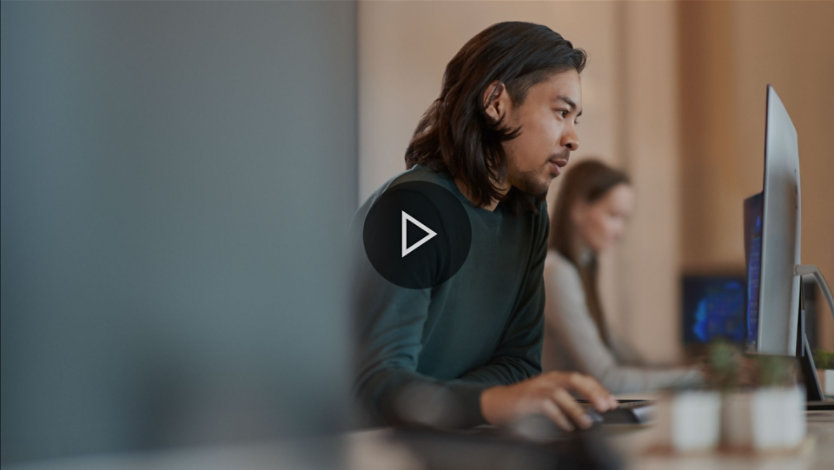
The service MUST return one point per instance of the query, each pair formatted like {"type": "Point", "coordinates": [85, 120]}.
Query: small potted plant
{"type": "Point", "coordinates": [824, 361]}
{"type": "Point", "coordinates": [729, 372]}
{"type": "Point", "coordinates": [689, 420]}
{"type": "Point", "coordinates": [765, 409]}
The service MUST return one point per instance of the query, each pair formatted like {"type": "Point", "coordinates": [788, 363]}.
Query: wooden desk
{"type": "Point", "coordinates": [375, 450]}
{"type": "Point", "coordinates": [816, 453]}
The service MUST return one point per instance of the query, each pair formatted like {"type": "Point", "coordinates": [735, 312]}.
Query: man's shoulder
{"type": "Point", "coordinates": [419, 173]}
{"type": "Point", "coordinates": [414, 174]}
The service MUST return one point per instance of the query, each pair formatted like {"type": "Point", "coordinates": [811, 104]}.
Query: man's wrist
{"type": "Point", "coordinates": [494, 406]}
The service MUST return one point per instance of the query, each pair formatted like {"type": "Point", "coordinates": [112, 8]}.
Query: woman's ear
{"type": "Point", "coordinates": [496, 101]}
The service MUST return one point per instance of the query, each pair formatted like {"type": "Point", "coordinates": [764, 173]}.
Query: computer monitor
{"type": "Point", "coordinates": [776, 315]}
{"type": "Point", "coordinates": [772, 247]}
{"type": "Point", "coordinates": [714, 307]}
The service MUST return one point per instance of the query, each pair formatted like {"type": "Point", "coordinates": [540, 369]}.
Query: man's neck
{"type": "Point", "coordinates": [493, 203]}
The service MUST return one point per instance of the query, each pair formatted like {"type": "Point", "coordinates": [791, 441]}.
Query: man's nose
{"type": "Point", "coordinates": [570, 139]}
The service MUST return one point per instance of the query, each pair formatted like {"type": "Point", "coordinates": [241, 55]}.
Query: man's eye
{"type": "Point", "coordinates": [562, 112]}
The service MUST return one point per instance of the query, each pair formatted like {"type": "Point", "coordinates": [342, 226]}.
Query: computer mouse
{"type": "Point", "coordinates": [595, 416]}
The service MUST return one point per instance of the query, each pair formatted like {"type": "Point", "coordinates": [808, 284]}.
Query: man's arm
{"type": "Point", "coordinates": [389, 330]}
{"type": "Point", "coordinates": [518, 355]}
{"type": "Point", "coordinates": [515, 387]}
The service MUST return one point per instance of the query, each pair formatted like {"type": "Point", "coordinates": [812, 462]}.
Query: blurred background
{"type": "Point", "coordinates": [176, 177]}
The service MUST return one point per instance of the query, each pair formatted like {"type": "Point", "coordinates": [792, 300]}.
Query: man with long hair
{"type": "Point", "coordinates": [467, 350]}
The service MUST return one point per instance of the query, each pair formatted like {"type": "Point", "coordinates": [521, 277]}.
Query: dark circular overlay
{"type": "Point", "coordinates": [417, 234]}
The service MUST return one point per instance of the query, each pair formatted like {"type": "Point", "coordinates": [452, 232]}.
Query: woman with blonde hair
{"type": "Point", "coordinates": [592, 208]}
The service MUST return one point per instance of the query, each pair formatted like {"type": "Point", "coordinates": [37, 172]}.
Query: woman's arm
{"type": "Point", "coordinates": [570, 331]}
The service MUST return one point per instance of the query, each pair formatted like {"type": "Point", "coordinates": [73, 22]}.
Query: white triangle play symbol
{"type": "Point", "coordinates": [406, 218]}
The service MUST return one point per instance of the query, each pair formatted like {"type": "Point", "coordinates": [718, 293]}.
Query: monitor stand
{"type": "Point", "coordinates": [815, 399]}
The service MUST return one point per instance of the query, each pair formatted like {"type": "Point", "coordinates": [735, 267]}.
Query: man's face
{"type": "Point", "coordinates": [547, 118]}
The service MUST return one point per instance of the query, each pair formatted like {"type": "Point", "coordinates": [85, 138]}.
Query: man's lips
{"type": "Point", "coordinates": [560, 162]}
{"type": "Point", "coordinates": [556, 164]}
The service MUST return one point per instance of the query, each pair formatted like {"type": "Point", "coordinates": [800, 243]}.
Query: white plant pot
{"type": "Point", "coordinates": [826, 381]}
{"type": "Point", "coordinates": [765, 419]}
{"type": "Point", "coordinates": [779, 418]}
{"type": "Point", "coordinates": [689, 421]}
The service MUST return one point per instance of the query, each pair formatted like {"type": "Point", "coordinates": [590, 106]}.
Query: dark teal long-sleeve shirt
{"type": "Point", "coordinates": [425, 355]}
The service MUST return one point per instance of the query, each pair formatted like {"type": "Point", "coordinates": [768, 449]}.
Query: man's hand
{"type": "Point", "coordinates": [547, 394]}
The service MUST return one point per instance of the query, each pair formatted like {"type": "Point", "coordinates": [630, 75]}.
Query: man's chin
{"type": "Point", "coordinates": [532, 183]}
{"type": "Point", "coordinates": [537, 189]}
{"type": "Point", "coordinates": [540, 194]}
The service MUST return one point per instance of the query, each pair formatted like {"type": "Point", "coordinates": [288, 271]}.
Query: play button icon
{"type": "Point", "coordinates": [406, 249]}
{"type": "Point", "coordinates": [417, 234]}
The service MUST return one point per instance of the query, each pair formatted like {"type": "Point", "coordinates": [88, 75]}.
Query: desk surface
{"type": "Point", "coordinates": [816, 453]}
{"type": "Point", "coordinates": [374, 449]}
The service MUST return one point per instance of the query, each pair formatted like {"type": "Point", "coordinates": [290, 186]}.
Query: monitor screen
{"type": "Point", "coordinates": [753, 257]}
{"type": "Point", "coordinates": [714, 307]}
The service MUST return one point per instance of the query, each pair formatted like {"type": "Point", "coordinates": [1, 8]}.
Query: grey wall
{"type": "Point", "coordinates": [175, 180]}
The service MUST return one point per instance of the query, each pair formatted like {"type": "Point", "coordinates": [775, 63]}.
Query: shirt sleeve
{"type": "Point", "coordinates": [518, 355]}
{"type": "Point", "coordinates": [388, 323]}
{"type": "Point", "coordinates": [569, 324]}
{"type": "Point", "coordinates": [388, 329]}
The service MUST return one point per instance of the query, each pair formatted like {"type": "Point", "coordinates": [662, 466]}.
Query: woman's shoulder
{"type": "Point", "coordinates": [565, 295]}
{"type": "Point", "coordinates": [557, 267]}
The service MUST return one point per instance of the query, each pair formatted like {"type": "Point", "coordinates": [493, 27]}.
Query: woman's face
{"type": "Point", "coordinates": [603, 222]}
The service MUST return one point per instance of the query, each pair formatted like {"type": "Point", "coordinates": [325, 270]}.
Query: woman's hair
{"type": "Point", "coordinates": [587, 181]}
{"type": "Point", "coordinates": [455, 134]}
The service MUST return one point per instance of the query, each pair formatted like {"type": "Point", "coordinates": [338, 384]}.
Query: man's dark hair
{"type": "Point", "coordinates": [456, 135]}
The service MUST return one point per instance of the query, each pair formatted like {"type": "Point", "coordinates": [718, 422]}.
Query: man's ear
{"type": "Point", "coordinates": [496, 100]}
